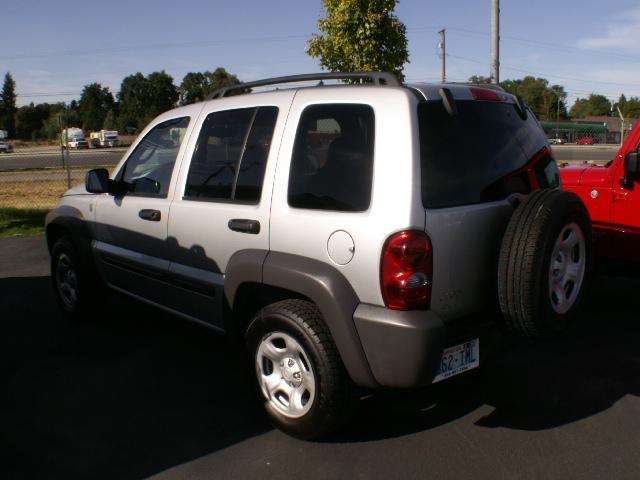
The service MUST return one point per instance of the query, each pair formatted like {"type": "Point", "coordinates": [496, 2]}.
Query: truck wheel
{"type": "Point", "coordinates": [299, 374]}
{"type": "Point", "coordinates": [73, 286]}
{"type": "Point", "coordinates": [545, 263]}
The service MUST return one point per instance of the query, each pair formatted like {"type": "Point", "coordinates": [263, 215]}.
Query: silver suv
{"type": "Point", "coordinates": [349, 235]}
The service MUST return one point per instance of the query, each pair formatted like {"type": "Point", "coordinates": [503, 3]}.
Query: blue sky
{"type": "Point", "coordinates": [54, 48]}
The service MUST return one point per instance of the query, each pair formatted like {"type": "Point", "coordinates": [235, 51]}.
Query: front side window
{"type": "Point", "coordinates": [148, 169]}
{"type": "Point", "coordinates": [231, 155]}
{"type": "Point", "coordinates": [332, 162]}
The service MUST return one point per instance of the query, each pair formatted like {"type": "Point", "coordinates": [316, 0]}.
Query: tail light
{"type": "Point", "coordinates": [406, 270]}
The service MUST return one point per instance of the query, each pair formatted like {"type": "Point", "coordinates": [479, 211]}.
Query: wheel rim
{"type": "Point", "coordinates": [285, 374]}
{"type": "Point", "coordinates": [66, 281]}
{"type": "Point", "coordinates": [566, 271]}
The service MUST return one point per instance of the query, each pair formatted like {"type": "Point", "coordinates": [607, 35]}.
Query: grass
{"type": "Point", "coordinates": [31, 195]}
{"type": "Point", "coordinates": [21, 221]}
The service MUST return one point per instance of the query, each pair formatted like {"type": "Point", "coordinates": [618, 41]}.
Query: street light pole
{"type": "Point", "coordinates": [621, 125]}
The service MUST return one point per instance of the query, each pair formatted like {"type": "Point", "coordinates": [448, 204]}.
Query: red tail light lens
{"type": "Point", "coordinates": [485, 95]}
{"type": "Point", "coordinates": [406, 270]}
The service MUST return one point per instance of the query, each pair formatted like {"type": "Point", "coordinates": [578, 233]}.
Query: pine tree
{"type": "Point", "coordinates": [8, 105]}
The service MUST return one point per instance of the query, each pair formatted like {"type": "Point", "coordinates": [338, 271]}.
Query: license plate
{"type": "Point", "coordinates": [458, 359]}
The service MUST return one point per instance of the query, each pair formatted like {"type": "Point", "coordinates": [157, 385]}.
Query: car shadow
{"type": "Point", "coordinates": [132, 391]}
{"type": "Point", "coordinates": [124, 394]}
{"type": "Point", "coordinates": [530, 384]}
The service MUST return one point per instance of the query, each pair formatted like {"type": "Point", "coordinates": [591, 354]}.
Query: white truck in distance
{"type": "Point", "coordinates": [73, 137]}
{"type": "Point", "coordinates": [104, 138]}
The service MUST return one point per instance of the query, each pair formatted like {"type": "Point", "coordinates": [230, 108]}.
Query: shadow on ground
{"type": "Point", "coordinates": [136, 392]}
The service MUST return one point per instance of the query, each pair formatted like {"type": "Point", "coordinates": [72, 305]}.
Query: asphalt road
{"type": "Point", "coordinates": [133, 392]}
{"type": "Point", "coordinates": [50, 157]}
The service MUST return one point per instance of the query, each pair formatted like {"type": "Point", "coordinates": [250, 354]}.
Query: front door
{"type": "Point", "coordinates": [131, 227]}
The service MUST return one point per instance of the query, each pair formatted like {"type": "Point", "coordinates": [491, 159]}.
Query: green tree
{"type": "Point", "coordinates": [30, 121]}
{"type": "Point", "coordinates": [196, 86]}
{"type": "Point", "coordinates": [110, 121]}
{"type": "Point", "coordinates": [594, 105]}
{"type": "Point", "coordinates": [142, 98]}
{"type": "Point", "coordinates": [164, 93]}
{"type": "Point", "coordinates": [358, 35]}
{"type": "Point", "coordinates": [478, 79]}
{"type": "Point", "coordinates": [630, 108]}
{"type": "Point", "coordinates": [8, 105]}
{"type": "Point", "coordinates": [95, 102]}
{"type": "Point", "coordinates": [543, 99]}
{"type": "Point", "coordinates": [134, 97]}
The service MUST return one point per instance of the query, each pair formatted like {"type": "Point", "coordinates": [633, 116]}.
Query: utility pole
{"type": "Point", "coordinates": [443, 52]}
{"type": "Point", "coordinates": [495, 42]}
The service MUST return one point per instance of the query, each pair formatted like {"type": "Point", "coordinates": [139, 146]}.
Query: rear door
{"type": "Point", "coordinates": [223, 202]}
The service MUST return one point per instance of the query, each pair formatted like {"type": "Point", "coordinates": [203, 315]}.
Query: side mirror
{"type": "Point", "coordinates": [631, 169]}
{"type": "Point", "coordinates": [98, 181]}
{"type": "Point", "coordinates": [631, 163]}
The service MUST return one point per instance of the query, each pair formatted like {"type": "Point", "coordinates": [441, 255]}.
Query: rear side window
{"type": "Point", "coordinates": [231, 155]}
{"type": "Point", "coordinates": [332, 163]}
{"type": "Point", "coordinates": [471, 157]}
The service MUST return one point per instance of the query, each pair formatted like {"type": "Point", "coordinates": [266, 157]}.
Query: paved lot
{"type": "Point", "coordinates": [51, 157]}
{"type": "Point", "coordinates": [133, 392]}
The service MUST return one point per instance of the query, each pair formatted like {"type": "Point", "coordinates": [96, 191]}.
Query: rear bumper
{"type": "Point", "coordinates": [403, 348]}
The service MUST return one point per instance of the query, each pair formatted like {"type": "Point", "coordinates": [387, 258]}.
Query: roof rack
{"type": "Point", "coordinates": [378, 78]}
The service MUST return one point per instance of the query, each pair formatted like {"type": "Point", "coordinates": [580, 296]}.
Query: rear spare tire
{"type": "Point", "coordinates": [545, 263]}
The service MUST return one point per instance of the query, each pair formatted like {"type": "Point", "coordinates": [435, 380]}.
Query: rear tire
{"type": "Point", "coordinates": [545, 263]}
{"type": "Point", "coordinates": [299, 374]}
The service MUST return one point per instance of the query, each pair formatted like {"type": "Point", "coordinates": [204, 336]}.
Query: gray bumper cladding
{"type": "Point", "coordinates": [403, 348]}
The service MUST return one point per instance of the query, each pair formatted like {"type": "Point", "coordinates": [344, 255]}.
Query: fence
{"type": "Point", "coordinates": [34, 177]}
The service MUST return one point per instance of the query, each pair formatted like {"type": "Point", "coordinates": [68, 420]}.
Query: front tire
{"type": "Point", "coordinates": [299, 374]}
{"type": "Point", "coordinates": [73, 285]}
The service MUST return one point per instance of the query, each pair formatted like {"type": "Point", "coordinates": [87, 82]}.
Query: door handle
{"type": "Point", "coordinates": [150, 214]}
{"type": "Point", "coordinates": [244, 226]}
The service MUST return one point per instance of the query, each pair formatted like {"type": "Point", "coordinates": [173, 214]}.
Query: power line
{"type": "Point", "coordinates": [129, 48]}
{"type": "Point", "coordinates": [561, 77]}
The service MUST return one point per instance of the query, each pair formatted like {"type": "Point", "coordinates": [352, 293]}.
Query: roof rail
{"type": "Point", "coordinates": [378, 78]}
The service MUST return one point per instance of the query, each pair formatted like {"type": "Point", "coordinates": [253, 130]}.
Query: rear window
{"type": "Point", "coordinates": [470, 157]}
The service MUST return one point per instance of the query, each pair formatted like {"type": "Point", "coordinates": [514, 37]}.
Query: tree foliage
{"type": "Point", "coordinates": [358, 35]}
{"type": "Point", "coordinates": [143, 98]}
{"type": "Point", "coordinates": [594, 105]}
{"type": "Point", "coordinates": [630, 108]}
{"type": "Point", "coordinates": [546, 101]}
{"type": "Point", "coordinates": [95, 102]}
{"type": "Point", "coordinates": [196, 86]}
{"type": "Point", "coordinates": [479, 79]}
{"type": "Point", "coordinates": [8, 105]}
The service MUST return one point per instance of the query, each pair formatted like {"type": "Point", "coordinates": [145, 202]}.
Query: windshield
{"type": "Point", "coordinates": [466, 157]}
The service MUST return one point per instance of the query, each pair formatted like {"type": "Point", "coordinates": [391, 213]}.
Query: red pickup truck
{"type": "Point", "coordinates": [611, 192]}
